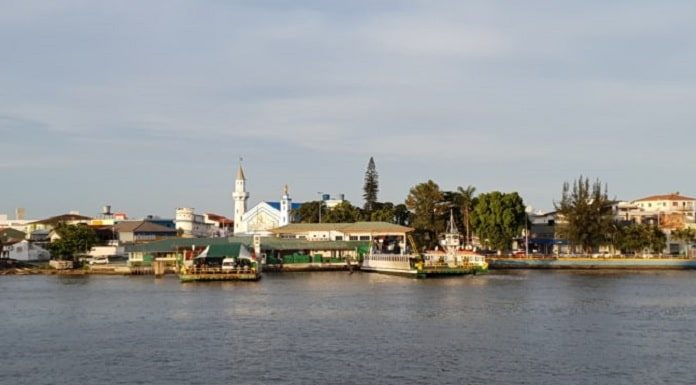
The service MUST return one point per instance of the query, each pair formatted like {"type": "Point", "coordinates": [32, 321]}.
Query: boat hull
{"type": "Point", "coordinates": [403, 267]}
{"type": "Point", "coordinates": [208, 277]}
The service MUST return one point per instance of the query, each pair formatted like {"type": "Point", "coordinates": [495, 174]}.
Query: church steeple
{"type": "Point", "coordinates": [240, 173]}
{"type": "Point", "coordinates": [285, 206]}
{"type": "Point", "coordinates": [240, 196]}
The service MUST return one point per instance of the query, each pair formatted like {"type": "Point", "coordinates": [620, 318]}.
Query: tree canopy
{"type": "Point", "coordinates": [497, 218]}
{"type": "Point", "coordinates": [74, 239]}
{"type": "Point", "coordinates": [586, 214]}
{"type": "Point", "coordinates": [425, 202]}
{"type": "Point", "coordinates": [636, 238]}
{"type": "Point", "coordinates": [467, 201]}
{"type": "Point", "coordinates": [308, 212]}
{"type": "Point", "coordinates": [344, 212]}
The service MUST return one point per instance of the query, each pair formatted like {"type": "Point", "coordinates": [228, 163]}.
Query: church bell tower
{"type": "Point", "coordinates": [240, 197]}
{"type": "Point", "coordinates": [285, 206]}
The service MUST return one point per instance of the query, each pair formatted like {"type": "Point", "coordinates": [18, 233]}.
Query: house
{"type": "Point", "coordinates": [25, 251]}
{"type": "Point", "coordinates": [142, 231]}
{"type": "Point", "coordinates": [72, 218]}
{"type": "Point", "coordinates": [673, 202]}
{"type": "Point", "coordinates": [220, 226]}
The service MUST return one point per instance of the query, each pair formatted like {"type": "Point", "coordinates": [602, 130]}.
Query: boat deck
{"type": "Point", "coordinates": [211, 274]}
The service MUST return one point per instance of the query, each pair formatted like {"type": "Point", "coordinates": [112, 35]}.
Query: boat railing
{"type": "Point", "coordinates": [218, 270]}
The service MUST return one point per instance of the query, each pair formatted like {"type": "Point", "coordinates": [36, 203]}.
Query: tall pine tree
{"type": "Point", "coordinates": [371, 186]}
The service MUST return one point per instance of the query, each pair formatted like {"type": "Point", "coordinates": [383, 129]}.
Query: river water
{"type": "Point", "coordinates": [519, 327]}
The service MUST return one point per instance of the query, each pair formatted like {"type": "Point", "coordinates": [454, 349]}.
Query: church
{"type": "Point", "coordinates": [263, 217]}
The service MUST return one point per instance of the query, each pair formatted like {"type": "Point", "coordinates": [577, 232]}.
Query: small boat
{"type": "Point", "coordinates": [222, 263]}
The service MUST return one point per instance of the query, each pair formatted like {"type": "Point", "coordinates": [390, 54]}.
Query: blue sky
{"type": "Point", "coordinates": [148, 105]}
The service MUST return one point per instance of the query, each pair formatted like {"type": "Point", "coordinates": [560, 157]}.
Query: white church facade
{"type": "Point", "coordinates": [263, 217]}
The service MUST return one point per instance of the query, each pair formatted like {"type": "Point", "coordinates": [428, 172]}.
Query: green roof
{"type": "Point", "coordinates": [346, 228]}
{"type": "Point", "coordinates": [267, 243]}
{"type": "Point", "coordinates": [223, 251]}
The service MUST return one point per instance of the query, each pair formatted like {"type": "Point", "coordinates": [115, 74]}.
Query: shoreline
{"type": "Point", "coordinates": [585, 263]}
{"type": "Point", "coordinates": [495, 263]}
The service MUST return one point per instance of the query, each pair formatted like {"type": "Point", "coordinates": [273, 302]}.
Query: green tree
{"type": "Point", "coordinates": [497, 218]}
{"type": "Point", "coordinates": [343, 212]}
{"type": "Point", "coordinates": [402, 215]}
{"type": "Point", "coordinates": [425, 202]}
{"type": "Point", "coordinates": [635, 238]}
{"type": "Point", "coordinates": [467, 202]}
{"type": "Point", "coordinates": [657, 240]}
{"type": "Point", "coordinates": [687, 235]}
{"type": "Point", "coordinates": [308, 212]}
{"type": "Point", "coordinates": [388, 212]}
{"type": "Point", "coordinates": [371, 187]}
{"type": "Point", "coordinates": [74, 239]}
{"type": "Point", "coordinates": [586, 213]}
{"type": "Point", "coordinates": [382, 212]}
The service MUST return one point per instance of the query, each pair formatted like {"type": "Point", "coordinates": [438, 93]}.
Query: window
{"type": "Point", "coordinates": [353, 237]}
{"type": "Point", "coordinates": [339, 237]}
{"type": "Point", "coordinates": [364, 237]}
{"type": "Point", "coordinates": [675, 204]}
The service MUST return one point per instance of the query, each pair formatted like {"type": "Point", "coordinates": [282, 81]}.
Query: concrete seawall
{"type": "Point", "coordinates": [593, 263]}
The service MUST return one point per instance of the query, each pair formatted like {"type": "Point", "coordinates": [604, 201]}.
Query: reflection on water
{"type": "Point", "coordinates": [517, 327]}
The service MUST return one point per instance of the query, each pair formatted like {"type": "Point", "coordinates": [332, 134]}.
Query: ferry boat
{"type": "Point", "coordinates": [227, 263]}
{"type": "Point", "coordinates": [430, 264]}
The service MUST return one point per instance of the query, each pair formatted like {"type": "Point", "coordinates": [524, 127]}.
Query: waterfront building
{"type": "Point", "coordinates": [273, 248]}
{"type": "Point", "coordinates": [24, 251]}
{"type": "Point", "coordinates": [668, 211]}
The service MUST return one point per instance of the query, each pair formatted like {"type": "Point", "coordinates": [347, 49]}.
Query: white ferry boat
{"type": "Point", "coordinates": [451, 262]}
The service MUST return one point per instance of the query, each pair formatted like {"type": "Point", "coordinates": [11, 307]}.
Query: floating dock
{"type": "Point", "coordinates": [207, 275]}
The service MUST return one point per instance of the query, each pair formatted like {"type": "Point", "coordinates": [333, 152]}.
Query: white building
{"type": "Point", "coordinates": [25, 251]}
{"type": "Point", "coordinates": [192, 224]}
{"type": "Point", "coordinates": [666, 203]}
{"type": "Point", "coordinates": [263, 217]}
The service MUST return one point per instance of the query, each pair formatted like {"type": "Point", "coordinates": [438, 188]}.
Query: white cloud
{"type": "Point", "coordinates": [430, 36]}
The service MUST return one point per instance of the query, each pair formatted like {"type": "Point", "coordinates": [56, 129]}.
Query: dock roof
{"type": "Point", "coordinates": [346, 228]}
{"type": "Point", "coordinates": [267, 244]}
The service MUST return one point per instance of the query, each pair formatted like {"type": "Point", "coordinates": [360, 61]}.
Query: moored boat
{"type": "Point", "coordinates": [430, 264]}
{"type": "Point", "coordinates": [233, 262]}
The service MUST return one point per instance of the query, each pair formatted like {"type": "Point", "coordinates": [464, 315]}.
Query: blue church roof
{"type": "Point", "coordinates": [276, 205]}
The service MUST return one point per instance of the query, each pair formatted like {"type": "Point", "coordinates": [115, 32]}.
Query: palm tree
{"type": "Point", "coordinates": [468, 201]}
